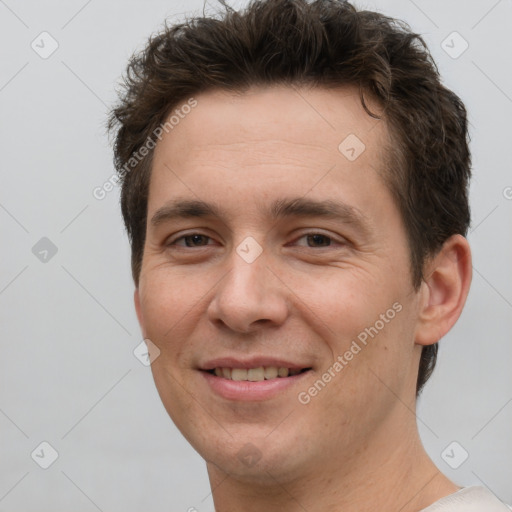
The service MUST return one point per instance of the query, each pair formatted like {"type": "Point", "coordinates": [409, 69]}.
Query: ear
{"type": "Point", "coordinates": [138, 309]}
{"type": "Point", "coordinates": [444, 290]}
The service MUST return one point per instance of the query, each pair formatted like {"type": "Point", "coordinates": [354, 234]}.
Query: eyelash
{"type": "Point", "coordinates": [312, 233]}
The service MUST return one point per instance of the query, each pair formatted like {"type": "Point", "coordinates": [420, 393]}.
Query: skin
{"type": "Point", "coordinates": [355, 445]}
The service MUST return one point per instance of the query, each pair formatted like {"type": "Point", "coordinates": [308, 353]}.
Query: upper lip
{"type": "Point", "coordinates": [253, 362]}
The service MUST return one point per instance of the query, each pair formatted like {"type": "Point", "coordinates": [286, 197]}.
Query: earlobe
{"type": "Point", "coordinates": [445, 289]}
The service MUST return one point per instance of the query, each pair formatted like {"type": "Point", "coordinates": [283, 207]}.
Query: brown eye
{"type": "Point", "coordinates": [318, 240]}
{"type": "Point", "coordinates": [194, 240]}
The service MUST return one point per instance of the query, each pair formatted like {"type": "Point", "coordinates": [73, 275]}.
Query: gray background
{"type": "Point", "coordinates": [68, 375]}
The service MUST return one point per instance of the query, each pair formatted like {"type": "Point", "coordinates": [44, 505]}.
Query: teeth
{"type": "Point", "coordinates": [271, 372]}
{"type": "Point", "coordinates": [255, 374]}
{"type": "Point", "coordinates": [283, 372]}
{"type": "Point", "coordinates": [238, 374]}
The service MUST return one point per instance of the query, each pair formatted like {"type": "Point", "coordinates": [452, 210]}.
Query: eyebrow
{"type": "Point", "coordinates": [280, 208]}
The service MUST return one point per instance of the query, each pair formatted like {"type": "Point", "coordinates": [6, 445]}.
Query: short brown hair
{"type": "Point", "coordinates": [324, 43]}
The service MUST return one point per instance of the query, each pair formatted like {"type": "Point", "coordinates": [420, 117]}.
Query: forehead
{"type": "Point", "coordinates": [315, 117]}
{"type": "Point", "coordinates": [270, 142]}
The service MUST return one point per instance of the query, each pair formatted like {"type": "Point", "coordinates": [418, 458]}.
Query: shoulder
{"type": "Point", "coordinates": [469, 499]}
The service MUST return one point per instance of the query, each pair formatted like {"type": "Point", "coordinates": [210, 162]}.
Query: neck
{"type": "Point", "coordinates": [391, 472]}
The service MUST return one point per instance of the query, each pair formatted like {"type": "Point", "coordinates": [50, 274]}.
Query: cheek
{"type": "Point", "coordinates": [373, 368]}
{"type": "Point", "coordinates": [363, 320]}
{"type": "Point", "coordinates": [167, 307]}
{"type": "Point", "coordinates": [382, 356]}
{"type": "Point", "coordinates": [345, 301]}
{"type": "Point", "coordinates": [166, 295]}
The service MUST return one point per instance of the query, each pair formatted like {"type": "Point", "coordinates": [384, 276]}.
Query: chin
{"type": "Point", "coordinates": [259, 460]}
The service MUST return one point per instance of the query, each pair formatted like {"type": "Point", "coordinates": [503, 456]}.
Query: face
{"type": "Point", "coordinates": [276, 282]}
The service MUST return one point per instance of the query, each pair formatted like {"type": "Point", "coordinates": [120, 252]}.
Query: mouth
{"type": "Point", "coordinates": [258, 374]}
{"type": "Point", "coordinates": [259, 378]}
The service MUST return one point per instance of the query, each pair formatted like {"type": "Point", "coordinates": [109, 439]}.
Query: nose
{"type": "Point", "coordinates": [248, 297]}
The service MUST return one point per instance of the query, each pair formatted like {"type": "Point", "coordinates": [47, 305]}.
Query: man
{"type": "Point", "coordinates": [294, 185]}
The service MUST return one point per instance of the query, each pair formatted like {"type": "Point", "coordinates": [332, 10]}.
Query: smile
{"type": "Point", "coordinates": [258, 374]}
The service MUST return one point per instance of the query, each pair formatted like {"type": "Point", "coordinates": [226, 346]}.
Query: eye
{"type": "Point", "coordinates": [192, 240]}
{"type": "Point", "coordinates": [315, 240]}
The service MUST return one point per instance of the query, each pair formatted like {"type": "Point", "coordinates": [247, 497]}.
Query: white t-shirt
{"type": "Point", "coordinates": [469, 499]}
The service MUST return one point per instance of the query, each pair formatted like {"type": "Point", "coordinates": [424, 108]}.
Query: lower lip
{"type": "Point", "coordinates": [251, 391]}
